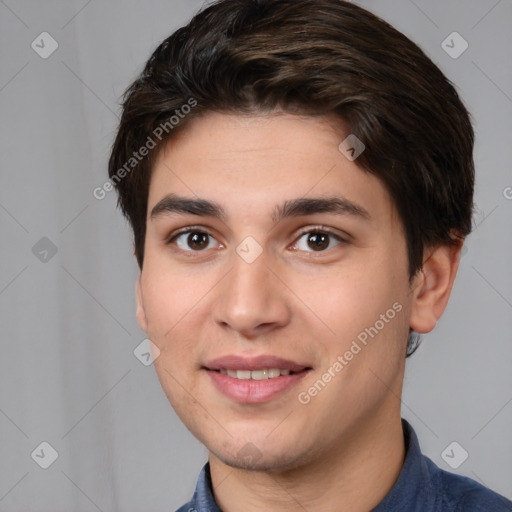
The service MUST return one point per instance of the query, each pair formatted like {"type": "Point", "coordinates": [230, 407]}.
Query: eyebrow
{"type": "Point", "coordinates": [173, 203]}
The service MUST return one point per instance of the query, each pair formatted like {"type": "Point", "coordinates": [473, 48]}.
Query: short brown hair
{"type": "Point", "coordinates": [313, 57]}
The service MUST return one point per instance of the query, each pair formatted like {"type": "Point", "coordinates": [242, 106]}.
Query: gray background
{"type": "Point", "coordinates": [68, 374]}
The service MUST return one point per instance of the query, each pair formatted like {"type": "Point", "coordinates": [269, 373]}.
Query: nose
{"type": "Point", "coordinates": [253, 299]}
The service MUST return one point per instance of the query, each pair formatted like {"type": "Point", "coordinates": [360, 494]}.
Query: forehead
{"type": "Point", "coordinates": [262, 160]}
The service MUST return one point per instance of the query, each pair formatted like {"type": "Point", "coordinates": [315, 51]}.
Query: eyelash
{"type": "Point", "coordinates": [311, 230]}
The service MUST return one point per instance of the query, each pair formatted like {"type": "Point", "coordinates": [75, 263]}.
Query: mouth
{"type": "Point", "coordinates": [264, 374]}
{"type": "Point", "coordinates": [255, 379]}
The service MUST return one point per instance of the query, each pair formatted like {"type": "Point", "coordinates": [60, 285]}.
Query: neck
{"type": "Point", "coordinates": [355, 477]}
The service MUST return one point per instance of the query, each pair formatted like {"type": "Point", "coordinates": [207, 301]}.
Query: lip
{"type": "Point", "coordinates": [234, 362]}
{"type": "Point", "coordinates": [254, 391]}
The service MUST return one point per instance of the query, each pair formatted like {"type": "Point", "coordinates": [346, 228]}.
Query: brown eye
{"type": "Point", "coordinates": [197, 240]}
{"type": "Point", "coordinates": [317, 241]}
{"type": "Point", "coordinates": [191, 240]}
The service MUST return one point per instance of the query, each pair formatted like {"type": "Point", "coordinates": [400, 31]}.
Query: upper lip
{"type": "Point", "coordinates": [234, 362]}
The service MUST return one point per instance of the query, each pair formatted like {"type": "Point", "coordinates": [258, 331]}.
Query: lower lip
{"type": "Point", "coordinates": [254, 391]}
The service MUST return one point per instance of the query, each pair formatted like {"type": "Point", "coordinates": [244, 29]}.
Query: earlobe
{"type": "Point", "coordinates": [141, 313]}
{"type": "Point", "coordinates": [432, 287]}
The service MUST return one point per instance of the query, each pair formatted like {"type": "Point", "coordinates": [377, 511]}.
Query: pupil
{"type": "Point", "coordinates": [319, 240]}
{"type": "Point", "coordinates": [198, 239]}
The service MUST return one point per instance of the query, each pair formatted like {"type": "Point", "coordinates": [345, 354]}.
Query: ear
{"type": "Point", "coordinates": [141, 313]}
{"type": "Point", "coordinates": [432, 286]}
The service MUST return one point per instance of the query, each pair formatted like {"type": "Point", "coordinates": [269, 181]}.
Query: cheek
{"type": "Point", "coordinates": [172, 304]}
{"type": "Point", "coordinates": [169, 299]}
{"type": "Point", "coordinates": [170, 289]}
{"type": "Point", "coordinates": [352, 299]}
{"type": "Point", "coordinates": [365, 309]}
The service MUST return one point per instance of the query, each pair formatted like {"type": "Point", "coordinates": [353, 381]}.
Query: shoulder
{"type": "Point", "coordinates": [459, 493]}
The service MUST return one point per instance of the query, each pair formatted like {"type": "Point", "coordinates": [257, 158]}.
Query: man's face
{"type": "Point", "coordinates": [255, 290]}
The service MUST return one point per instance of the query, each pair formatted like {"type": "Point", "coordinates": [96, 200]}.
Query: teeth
{"type": "Point", "coordinates": [264, 374]}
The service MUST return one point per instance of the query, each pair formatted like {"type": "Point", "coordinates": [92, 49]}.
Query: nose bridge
{"type": "Point", "coordinates": [251, 296]}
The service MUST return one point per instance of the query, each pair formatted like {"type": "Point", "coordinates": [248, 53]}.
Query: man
{"type": "Point", "coordinates": [299, 179]}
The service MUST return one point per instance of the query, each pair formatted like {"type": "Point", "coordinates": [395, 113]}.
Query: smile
{"type": "Point", "coordinates": [253, 380]}
{"type": "Point", "coordinates": [264, 374]}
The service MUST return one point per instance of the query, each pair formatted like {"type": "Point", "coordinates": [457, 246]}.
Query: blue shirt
{"type": "Point", "coordinates": [421, 487]}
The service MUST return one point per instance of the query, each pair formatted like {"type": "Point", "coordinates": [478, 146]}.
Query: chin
{"type": "Point", "coordinates": [259, 461]}
{"type": "Point", "coordinates": [258, 455]}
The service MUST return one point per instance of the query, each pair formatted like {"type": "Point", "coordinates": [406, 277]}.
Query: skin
{"type": "Point", "coordinates": [344, 449]}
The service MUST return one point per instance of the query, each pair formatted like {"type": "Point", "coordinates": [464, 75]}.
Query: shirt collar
{"type": "Point", "coordinates": [203, 496]}
{"type": "Point", "coordinates": [413, 491]}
